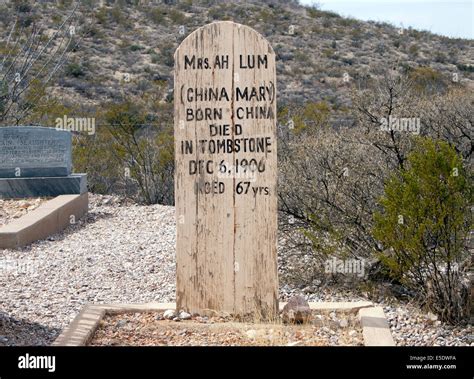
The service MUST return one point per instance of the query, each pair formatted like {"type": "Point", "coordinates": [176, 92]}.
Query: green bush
{"type": "Point", "coordinates": [177, 17]}
{"type": "Point", "coordinates": [425, 223]}
{"type": "Point", "coordinates": [75, 70]}
{"type": "Point", "coordinates": [157, 15]}
{"type": "Point", "coordinates": [136, 47]}
{"type": "Point", "coordinates": [465, 67]}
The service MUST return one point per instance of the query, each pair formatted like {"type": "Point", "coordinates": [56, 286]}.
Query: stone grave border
{"type": "Point", "coordinates": [375, 327]}
{"type": "Point", "coordinates": [49, 218]}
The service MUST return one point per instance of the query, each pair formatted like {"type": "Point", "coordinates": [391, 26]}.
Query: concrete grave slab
{"type": "Point", "coordinates": [50, 218]}
{"type": "Point", "coordinates": [375, 326]}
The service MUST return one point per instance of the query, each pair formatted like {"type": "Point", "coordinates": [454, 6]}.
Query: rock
{"type": "Point", "coordinates": [343, 323]}
{"type": "Point", "coordinates": [169, 314]}
{"type": "Point", "coordinates": [251, 333]}
{"type": "Point", "coordinates": [352, 333]}
{"type": "Point", "coordinates": [318, 320]}
{"type": "Point", "coordinates": [121, 323]}
{"type": "Point", "coordinates": [334, 325]}
{"type": "Point", "coordinates": [296, 311]}
{"type": "Point", "coordinates": [431, 318]}
{"type": "Point", "coordinates": [184, 315]}
{"type": "Point", "coordinates": [308, 289]}
{"type": "Point", "coordinates": [18, 214]}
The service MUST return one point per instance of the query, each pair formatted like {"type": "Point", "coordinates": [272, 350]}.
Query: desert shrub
{"type": "Point", "coordinates": [131, 154]}
{"type": "Point", "coordinates": [302, 57]}
{"type": "Point", "coordinates": [330, 53]}
{"type": "Point", "coordinates": [328, 183]}
{"type": "Point", "coordinates": [155, 58]}
{"type": "Point", "coordinates": [214, 13]}
{"type": "Point", "coordinates": [440, 57]}
{"type": "Point", "coordinates": [22, 6]}
{"type": "Point", "coordinates": [101, 16]}
{"type": "Point", "coordinates": [29, 60]}
{"type": "Point", "coordinates": [186, 5]}
{"type": "Point", "coordinates": [75, 70]}
{"type": "Point", "coordinates": [424, 223]}
{"type": "Point", "coordinates": [156, 15]}
{"type": "Point", "coordinates": [177, 17]}
{"type": "Point", "coordinates": [313, 12]}
{"type": "Point", "coordinates": [116, 15]}
{"type": "Point", "coordinates": [166, 54]}
{"type": "Point", "coordinates": [427, 80]}
{"type": "Point", "coordinates": [330, 14]}
{"type": "Point", "coordinates": [465, 67]}
{"type": "Point", "coordinates": [413, 50]}
{"type": "Point", "coordinates": [349, 22]}
{"type": "Point", "coordinates": [327, 23]}
{"type": "Point", "coordinates": [450, 117]}
{"type": "Point", "coordinates": [136, 47]}
{"type": "Point", "coordinates": [330, 179]}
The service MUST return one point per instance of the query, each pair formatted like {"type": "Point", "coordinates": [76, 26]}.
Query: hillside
{"type": "Point", "coordinates": [125, 49]}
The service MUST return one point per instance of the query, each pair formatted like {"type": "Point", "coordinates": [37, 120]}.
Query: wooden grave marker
{"type": "Point", "coordinates": [226, 172]}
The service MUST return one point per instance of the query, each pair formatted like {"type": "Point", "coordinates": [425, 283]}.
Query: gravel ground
{"type": "Point", "coordinates": [124, 252]}
{"type": "Point", "coordinates": [152, 329]}
{"type": "Point", "coordinates": [13, 209]}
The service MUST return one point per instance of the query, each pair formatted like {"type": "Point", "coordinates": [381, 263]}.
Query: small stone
{"type": "Point", "coordinates": [308, 289]}
{"type": "Point", "coordinates": [352, 333]}
{"type": "Point", "coordinates": [121, 323]}
{"type": "Point", "coordinates": [296, 311]}
{"type": "Point", "coordinates": [184, 315]}
{"type": "Point", "coordinates": [251, 333]}
{"type": "Point", "coordinates": [169, 314]}
{"type": "Point", "coordinates": [333, 325]}
{"type": "Point", "coordinates": [318, 320]}
{"type": "Point", "coordinates": [343, 323]}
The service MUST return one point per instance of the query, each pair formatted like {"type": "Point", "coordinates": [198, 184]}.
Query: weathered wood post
{"type": "Point", "coordinates": [226, 172]}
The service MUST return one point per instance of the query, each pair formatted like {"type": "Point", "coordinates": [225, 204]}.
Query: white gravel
{"type": "Point", "coordinates": [116, 254]}
{"type": "Point", "coordinates": [125, 253]}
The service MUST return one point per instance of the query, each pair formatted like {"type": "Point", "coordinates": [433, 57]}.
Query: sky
{"type": "Point", "coordinates": [449, 18]}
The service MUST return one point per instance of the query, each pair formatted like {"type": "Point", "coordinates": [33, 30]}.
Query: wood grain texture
{"type": "Point", "coordinates": [226, 233]}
